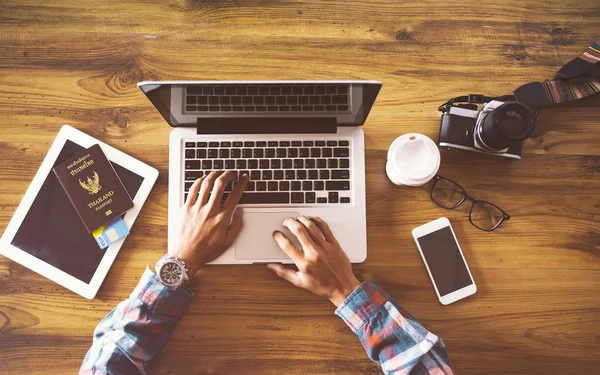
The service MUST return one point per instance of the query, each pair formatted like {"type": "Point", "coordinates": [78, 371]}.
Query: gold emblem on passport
{"type": "Point", "coordinates": [91, 185]}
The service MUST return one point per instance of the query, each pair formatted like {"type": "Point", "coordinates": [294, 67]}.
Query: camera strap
{"type": "Point", "coordinates": [577, 79]}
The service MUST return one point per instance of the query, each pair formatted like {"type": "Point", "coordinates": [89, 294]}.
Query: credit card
{"type": "Point", "coordinates": [111, 232]}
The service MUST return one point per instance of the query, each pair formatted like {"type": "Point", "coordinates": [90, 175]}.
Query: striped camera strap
{"type": "Point", "coordinates": [579, 78]}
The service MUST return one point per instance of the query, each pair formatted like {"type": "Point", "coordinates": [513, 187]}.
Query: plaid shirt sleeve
{"type": "Point", "coordinates": [392, 337]}
{"type": "Point", "coordinates": [129, 336]}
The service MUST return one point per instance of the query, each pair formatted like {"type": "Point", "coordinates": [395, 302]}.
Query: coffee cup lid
{"type": "Point", "coordinates": [414, 157]}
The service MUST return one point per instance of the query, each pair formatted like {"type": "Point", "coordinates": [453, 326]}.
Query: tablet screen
{"type": "Point", "coordinates": [53, 232]}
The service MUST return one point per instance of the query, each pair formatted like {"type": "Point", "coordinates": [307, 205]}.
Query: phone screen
{"type": "Point", "coordinates": [445, 262]}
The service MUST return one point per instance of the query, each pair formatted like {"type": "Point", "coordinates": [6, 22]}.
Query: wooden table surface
{"type": "Point", "coordinates": [537, 309]}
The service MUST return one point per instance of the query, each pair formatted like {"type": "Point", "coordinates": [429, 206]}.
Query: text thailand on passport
{"type": "Point", "coordinates": [93, 187]}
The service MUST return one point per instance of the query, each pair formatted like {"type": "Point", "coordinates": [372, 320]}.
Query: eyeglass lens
{"type": "Point", "coordinates": [485, 216]}
{"type": "Point", "coordinates": [447, 194]}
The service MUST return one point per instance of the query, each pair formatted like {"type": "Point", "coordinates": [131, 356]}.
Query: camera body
{"type": "Point", "coordinates": [468, 129]}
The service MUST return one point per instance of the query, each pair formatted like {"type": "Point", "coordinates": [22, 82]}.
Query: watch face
{"type": "Point", "coordinates": [170, 273]}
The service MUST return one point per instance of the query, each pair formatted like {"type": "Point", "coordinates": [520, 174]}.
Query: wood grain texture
{"type": "Point", "coordinates": [538, 305]}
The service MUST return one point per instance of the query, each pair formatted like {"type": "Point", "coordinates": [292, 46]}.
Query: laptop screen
{"type": "Point", "coordinates": [184, 103]}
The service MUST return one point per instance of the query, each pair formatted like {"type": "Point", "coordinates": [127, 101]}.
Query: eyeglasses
{"type": "Point", "coordinates": [449, 195]}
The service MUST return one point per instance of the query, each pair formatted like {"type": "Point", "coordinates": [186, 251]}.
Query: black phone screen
{"type": "Point", "coordinates": [445, 263]}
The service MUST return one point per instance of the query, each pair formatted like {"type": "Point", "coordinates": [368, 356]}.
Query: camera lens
{"type": "Point", "coordinates": [507, 124]}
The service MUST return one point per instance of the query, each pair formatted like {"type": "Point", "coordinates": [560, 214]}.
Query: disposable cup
{"type": "Point", "coordinates": [413, 160]}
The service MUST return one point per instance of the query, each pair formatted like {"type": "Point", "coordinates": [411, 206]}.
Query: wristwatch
{"type": "Point", "coordinates": [171, 272]}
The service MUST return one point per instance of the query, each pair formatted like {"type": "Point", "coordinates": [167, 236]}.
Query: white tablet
{"type": "Point", "coordinates": [46, 235]}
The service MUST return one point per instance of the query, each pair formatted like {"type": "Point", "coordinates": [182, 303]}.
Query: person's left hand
{"type": "Point", "coordinates": [208, 227]}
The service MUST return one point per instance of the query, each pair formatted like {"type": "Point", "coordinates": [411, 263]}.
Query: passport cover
{"type": "Point", "coordinates": [93, 187]}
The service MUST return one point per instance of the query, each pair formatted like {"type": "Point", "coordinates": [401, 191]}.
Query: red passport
{"type": "Point", "coordinates": [93, 187]}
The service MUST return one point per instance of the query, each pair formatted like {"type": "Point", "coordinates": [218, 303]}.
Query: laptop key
{"type": "Point", "coordinates": [309, 163]}
{"type": "Point", "coordinates": [296, 186]}
{"type": "Point", "coordinates": [298, 163]}
{"type": "Point", "coordinates": [332, 143]}
{"type": "Point", "coordinates": [321, 200]}
{"type": "Point", "coordinates": [225, 144]}
{"type": "Point", "coordinates": [327, 152]}
{"type": "Point", "coordinates": [213, 153]}
{"type": "Point", "coordinates": [261, 144]}
{"type": "Point", "coordinates": [340, 174]}
{"type": "Point", "coordinates": [292, 153]}
{"type": "Point", "coordinates": [250, 186]}
{"type": "Point", "coordinates": [267, 175]}
{"type": "Point", "coordinates": [207, 164]}
{"type": "Point", "coordinates": [270, 197]}
{"type": "Point", "coordinates": [202, 144]}
{"type": "Point", "coordinates": [259, 153]}
{"type": "Point", "coordinates": [223, 153]}
{"type": "Point", "coordinates": [261, 186]}
{"type": "Point", "coordinates": [344, 163]}
{"type": "Point", "coordinates": [290, 174]}
{"type": "Point", "coordinates": [255, 175]}
{"type": "Point", "coordinates": [332, 163]}
{"type": "Point", "coordinates": [287, 164]}
{"type": "Point", "coordinates": [304, 152]}
{"type": "Point", "coordinates": [278, 175]}
{"type": "Point", "coordinates": [229, 164]}
{"type": "Point", "coordinates": [272, 185]}
{"type": "Point", "coordinates": [240, 164]}
{"type": "Point", "coordinates": [324, 175]}
{"type": "Point", "coordinates": [341, 152]}
{"type": "Point", "coordinates": [310, 197]}
{"type": "Point", "coordinates": [201, 154]}
{"type": "Point", "coordinates": [284, 144]}
{"type": "Point", "coordinates": [190, 154]}
{"type": "Point", "coordinates": [296, 144]}
{"type": "Point", "coordinates": [190, 144]}
{"type": "Point", "coordinates": [307, 185]}
{"type": "Point", "coordinates": [308, 143]}
{"type": "Point", "coordinates": [281, 153]}
{"type": "Point", "coordinates": [270, 153]}
{"type": "Point", "coordinates": [344, 143]}
{"type": "Point", "coordinates": [249, 144]}
{"type": "Point", "coordinates": [192, 175]}
{"type": "Point", "coordinates": [247, 153]}
{"type": "Point", "coordinates": [264, 163]}
{"type": "Point", "coordinates": [319, 186]}
{"type": "Point", "coordinates": [192, 164]}
{"type": "Point", "coordinates": [272, 144]}
{"type": "Point", "coordinates": [218, 164]}
{"type": "Point", "coordinates": [213, 144]}
{"type": "Point", "coordinates": [337, 185]}
{"type": "Point", "coordinates": [297, 197]}
{"type": "Point", "coordinates": [345, 200]}
{"type": "Point", "coordinates": [284, 185]}
{"type": "Point", "coordinates": [320, 143]}
{"type": "Point", "coordinates": [301, 174]}
{"type": "Point", "coordinates": [321, 163]}
{"type": "Point", "coordinates": [236, 153]}
{"type": "Point", "coordinates": [238, 144]}
{"type": "Point", "coordinates": [315, 152]}
{"type": "Point", "coordinates": [275, 164]}
{"type": "Point", "coordinates": [313, 174]}
{"type": "Point", "coordinates": [333, 197]}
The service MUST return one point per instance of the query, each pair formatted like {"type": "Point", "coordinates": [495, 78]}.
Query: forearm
{"type": "Point", "coordinates": [131, 334]}
{"type": "Point", "coordinates": [391, 336]}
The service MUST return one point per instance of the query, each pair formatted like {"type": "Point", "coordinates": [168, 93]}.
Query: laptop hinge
{"type": "Point", "coordinates": [266, 125]}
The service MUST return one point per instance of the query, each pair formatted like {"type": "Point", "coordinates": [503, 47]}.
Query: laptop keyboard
{"type": "Point", "coordinates": [280, 172]}
{"type": "Point", "coordinates": [267, 98]}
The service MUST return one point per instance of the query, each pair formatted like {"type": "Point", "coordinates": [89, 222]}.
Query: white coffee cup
{"type": "Point", "coordinates": [413, 159]}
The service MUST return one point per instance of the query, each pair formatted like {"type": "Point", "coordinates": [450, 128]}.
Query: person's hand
{"type": "Point", "coordinates": [208, 227]}
{"type": "Point", "coordinates": [323, 267]}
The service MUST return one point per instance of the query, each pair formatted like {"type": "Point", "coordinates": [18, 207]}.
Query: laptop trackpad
{"type": "Point", "coordinates": [256, 239]}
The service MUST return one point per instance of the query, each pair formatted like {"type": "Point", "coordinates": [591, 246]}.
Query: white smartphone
{"type": "Point", "coordinates": [444, 261]}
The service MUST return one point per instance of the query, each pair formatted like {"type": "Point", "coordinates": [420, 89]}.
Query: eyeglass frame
{"type": "Point", "coordinates": [465, 197]}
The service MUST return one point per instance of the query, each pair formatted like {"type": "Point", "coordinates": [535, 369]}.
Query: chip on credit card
{"type": "Point", "coordinates": [111, 232]}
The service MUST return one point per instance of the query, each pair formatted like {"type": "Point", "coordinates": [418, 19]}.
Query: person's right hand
{"type": "Point", "coordinates": [323, 267]}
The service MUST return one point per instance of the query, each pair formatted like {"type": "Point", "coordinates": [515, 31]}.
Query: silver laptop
{"type": "Point", "coordinates": [299, 141]}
